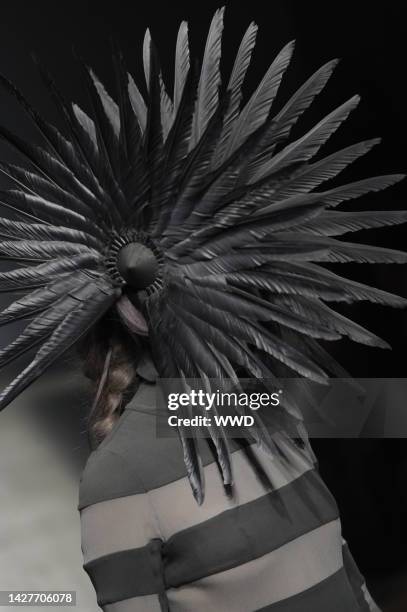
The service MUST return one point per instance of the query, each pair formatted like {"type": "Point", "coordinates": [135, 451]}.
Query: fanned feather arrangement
{"type": "Point", "coordinates": [197, 218]}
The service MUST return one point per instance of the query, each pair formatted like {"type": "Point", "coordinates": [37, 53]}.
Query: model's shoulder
{"type": "Point", "coordinates": [108, 472]}
{"type": "Point", "coordinates": [106, 475]}
{"type": "Point", "coordinates": [132, 459]}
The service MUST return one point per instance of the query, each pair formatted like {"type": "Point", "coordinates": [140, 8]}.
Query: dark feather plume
{"type": "Point", "coordinates": [226, 207]}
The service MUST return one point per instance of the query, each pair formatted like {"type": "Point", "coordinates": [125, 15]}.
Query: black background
{"type": "Point", "coordinates": [367, 477]}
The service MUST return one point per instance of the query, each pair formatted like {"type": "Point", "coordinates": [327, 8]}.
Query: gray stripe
{"type": "Point", "coordinates": [117, 524]}
{"type": "Point", "coordinates": [248, 531]}
{"type": "Point", "coordinates": [333, 594]}
{"type": "Point", "coordinates": [285, 572]}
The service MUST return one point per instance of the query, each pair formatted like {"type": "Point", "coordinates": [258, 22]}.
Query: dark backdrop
{"type": "Point", "coordinates": [367, 477]}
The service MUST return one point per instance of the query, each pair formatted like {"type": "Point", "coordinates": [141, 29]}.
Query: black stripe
{"type": "Point", "coordinates": [334, 594]}
{"type": "Point", "coordinates": [248, 531]}
{"type": "Point", "coordinates": [128, 573]}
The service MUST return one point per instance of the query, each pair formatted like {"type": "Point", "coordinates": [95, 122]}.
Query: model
{"type": "Point", "coordinates": [182, 237]}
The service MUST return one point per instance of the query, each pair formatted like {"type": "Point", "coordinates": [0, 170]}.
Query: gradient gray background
{"type": "Point", "coordinates": [42, 451]}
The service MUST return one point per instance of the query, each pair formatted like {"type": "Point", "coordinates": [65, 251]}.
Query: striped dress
{"type": "Point", "coordinates": [274, 545]}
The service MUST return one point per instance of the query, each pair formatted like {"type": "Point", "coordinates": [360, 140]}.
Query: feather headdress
{"type": "Point", "coordinates": [196, 217]}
